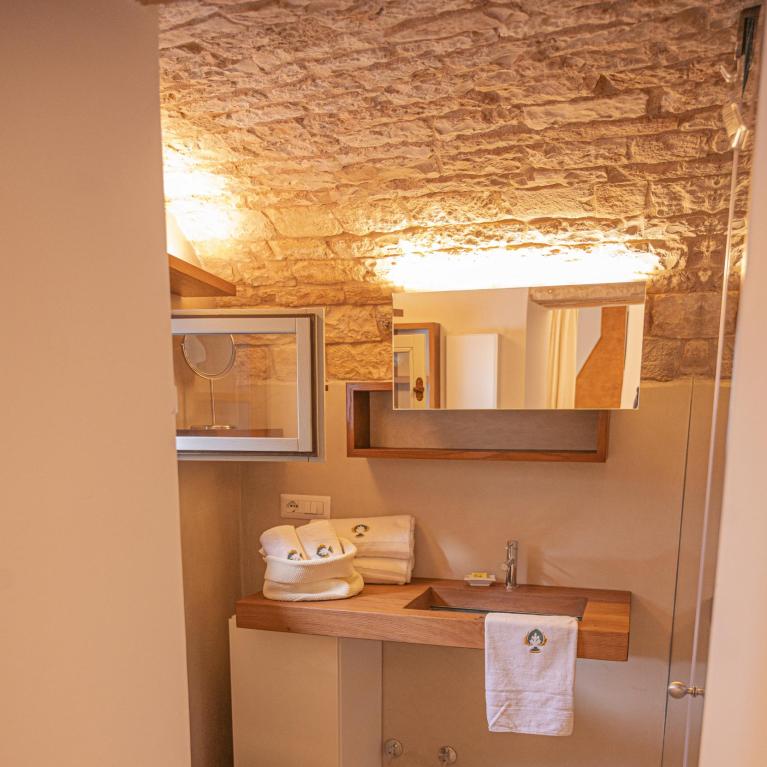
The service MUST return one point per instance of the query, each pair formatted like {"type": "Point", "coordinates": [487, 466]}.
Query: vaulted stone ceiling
{"type": "Point", "coordinates": [310, 146]}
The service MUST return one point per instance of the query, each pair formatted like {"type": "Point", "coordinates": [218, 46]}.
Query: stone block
{"type": "Point", "coordinates": [615, 107]}
{"type": "Point", "coordinates": [661, 359]}
{"type": "Point", "coordinates": [358, 293]}
{"type": "Point", "coordinates": [304, 221]}
{"type": "Point", "coordinates": [623, 200]}
{"type": "Point", "coordinates": [698, 358]}
{"type": "Point", "coordinates": [311, 295]}
{"type": "Point", "coordinates": [263, 272]}
{"type": "Point", "coordinates": [372, 217]}
{"type": "Point", "coordinates": [352, 324]}
{"type": "Point", "coordinates": [331, 271]}
{"type": "Point", "coordinates": [359, 362]}
{"type": "Point", "coordinates": [690, 315]}
{"type": "Point", "coordinates": [303, 248]}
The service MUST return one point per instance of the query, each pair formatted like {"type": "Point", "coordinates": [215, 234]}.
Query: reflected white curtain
{"type": "Point", "coordinates": [560, 370]}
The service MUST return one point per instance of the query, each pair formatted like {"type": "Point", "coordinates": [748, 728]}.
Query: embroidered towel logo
{"type": "Point", "coordinates": [535, 640]}
{"type": "Point", "coordinates": [323, 550]}
{"type": "Point", "coordinates": [293, 554]}
{"type": "Point", "coordinates": [360, 530]}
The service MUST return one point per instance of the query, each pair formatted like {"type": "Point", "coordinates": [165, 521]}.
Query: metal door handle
{"type": "Point", "coordinates": [679, 690]}
{"type": "Point", "coordinates": [419, 388]}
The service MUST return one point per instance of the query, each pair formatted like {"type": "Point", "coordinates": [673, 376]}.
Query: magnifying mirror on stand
{"type": "Point", "coordinates": [211, 357]}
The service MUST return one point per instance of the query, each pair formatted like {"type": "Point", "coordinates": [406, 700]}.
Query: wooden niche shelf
{"type": "Point", "coordinates": [189, 280]}
{"type": "Point", "coordinates": [375, 430]}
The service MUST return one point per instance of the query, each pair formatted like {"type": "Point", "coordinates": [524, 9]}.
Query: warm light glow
{"type": "Point", "coordinates": [197, 199]}
{"type": "Point", "coordinates": [515, 268]}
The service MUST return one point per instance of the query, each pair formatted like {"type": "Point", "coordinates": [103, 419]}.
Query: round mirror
{"type": "Point", "coordinates": [210, 356]}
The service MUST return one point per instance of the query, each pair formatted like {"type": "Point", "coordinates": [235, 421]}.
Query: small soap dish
{"type": "Point", "coordinates": [480, 579]}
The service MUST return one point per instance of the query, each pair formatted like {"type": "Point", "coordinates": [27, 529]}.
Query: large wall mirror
{"type": "Point", "coordinates": [571, 347]}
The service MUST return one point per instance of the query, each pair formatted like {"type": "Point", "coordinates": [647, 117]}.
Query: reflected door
{"type": "Point", "coordinates": [410, 371]}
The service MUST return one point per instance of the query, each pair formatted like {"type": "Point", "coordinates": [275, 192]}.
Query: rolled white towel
{"type": "Point", "coordinates": [384, 569]}
{"type": "Point", "coordinates": [282, 541]}
{"type": "Point", "coordinates": [392, 536]}
{"type": "Point", "coordinates": [319, 539]}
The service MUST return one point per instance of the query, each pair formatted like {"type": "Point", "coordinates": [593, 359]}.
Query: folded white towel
{"type": "Point", "coordinates": [392, 536]}
{"type": "Point", "coordinates": [384, 569]}
{"type": "Point", "coordinates": [282, 542]}
{"type": "Point", "coordinates": [530, 673]}
{"type": "Point", "coordinates": [319, 539]}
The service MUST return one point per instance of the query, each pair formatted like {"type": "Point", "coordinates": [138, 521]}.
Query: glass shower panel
{"type": "Point", "coordinates": [699, 530]}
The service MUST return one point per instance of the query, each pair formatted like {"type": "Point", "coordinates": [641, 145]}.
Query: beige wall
{"type": "Point", "coordinates": [92, 666]}
{"type": "Point", "coordinates": [736, 687]}
{"type": "Point", "coordinates": [612, 525]}
{"type": "Point", "coordinates": [210, 541]}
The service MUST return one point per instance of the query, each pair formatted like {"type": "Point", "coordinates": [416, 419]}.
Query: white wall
{"type": "Point", "coordinates": [92, 663]}
{"type": "Point", "coordinates": [736, 688]}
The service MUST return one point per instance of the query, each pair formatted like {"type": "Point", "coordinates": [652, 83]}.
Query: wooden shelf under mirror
{"type": "Point", "coordinates": [375, 430]}
{"type": "Point", "coordinates": [191, 281]}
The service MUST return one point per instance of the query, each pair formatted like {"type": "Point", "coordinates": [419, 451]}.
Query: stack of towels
{"type": "Point", "coordinates": [385, 546]}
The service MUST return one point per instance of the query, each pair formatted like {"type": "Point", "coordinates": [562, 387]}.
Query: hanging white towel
{"type": "Point", "coordinates": [530, 673]}
{"type": "Point", "coordinates": [282, 542]}
{"type": "Point", "coordinates": [392, 536]}
{"type": "Point", "coordinates": [319, 539]}
{"type": "Point", "coordinates": [384, 569]}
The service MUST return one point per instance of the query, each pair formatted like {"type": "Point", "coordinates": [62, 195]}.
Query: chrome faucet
{"type": "Point", "coordinates": [512, 553]}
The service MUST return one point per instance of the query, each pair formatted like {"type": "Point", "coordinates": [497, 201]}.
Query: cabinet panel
{"type": "Point", "coordinates": [300, 700]}
{"type": "Point", "coordinates": [247, 384]}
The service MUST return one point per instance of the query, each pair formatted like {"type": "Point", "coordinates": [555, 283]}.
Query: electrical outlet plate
{"type": "Point", "coordinates": [293, 506]}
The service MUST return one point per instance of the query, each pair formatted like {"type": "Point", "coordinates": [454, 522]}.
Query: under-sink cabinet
{"type": "Point", "coordinates": [304, 700]}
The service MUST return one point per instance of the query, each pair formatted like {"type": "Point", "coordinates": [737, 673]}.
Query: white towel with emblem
{"type": "Point", "coordinates": [392, 537]}
{"type": "Point", "coordinates": [319, 540]}
{"type": "Point", "coordinates": [530, 673]}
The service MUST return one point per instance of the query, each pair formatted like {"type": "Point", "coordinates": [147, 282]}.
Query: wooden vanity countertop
{"type": "Point", "coordinates": [406, 614]}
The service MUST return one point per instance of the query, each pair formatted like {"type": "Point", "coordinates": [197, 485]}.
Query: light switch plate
{"type": "Point", "coordinates": [293, 506]}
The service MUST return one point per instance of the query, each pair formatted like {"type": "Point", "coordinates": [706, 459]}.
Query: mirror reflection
{"type": "Point", "coordinates": [568, 347]}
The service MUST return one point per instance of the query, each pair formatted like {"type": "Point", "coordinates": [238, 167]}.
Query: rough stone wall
{"type": "Point", "coordinates": [308, 142]}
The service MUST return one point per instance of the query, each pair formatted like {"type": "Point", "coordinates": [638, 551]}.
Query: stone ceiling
{"type": "Point", "coordinates": [309, 146]}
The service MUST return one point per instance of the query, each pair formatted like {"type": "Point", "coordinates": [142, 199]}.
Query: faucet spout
{"type": "Point", "coordinates": [512, 553]}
